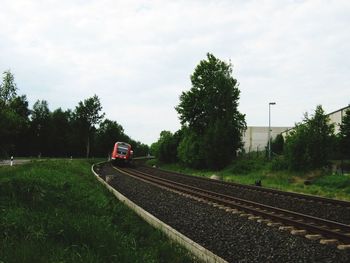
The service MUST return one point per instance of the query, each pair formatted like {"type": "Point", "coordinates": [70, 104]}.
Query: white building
{"type": "Point", "coordinates": [337, 116]}
{"type": "Point", "coordinates": [255, 138]}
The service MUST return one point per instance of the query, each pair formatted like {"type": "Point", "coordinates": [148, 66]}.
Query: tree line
{"type": "Point", "coordinates": [212, 128]}
{"type": "Point", "coordinates": [82, 132]}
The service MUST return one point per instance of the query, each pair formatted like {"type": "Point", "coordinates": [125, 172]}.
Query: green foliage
{"type": "Point", "coordinates": [344, 135]}
{"type": "Point", "coordinates": [87, 114]}
{"type": "Point", "coordinates": [107, 135]}
{"type": "Point", "coordinates": [40, 132]}
{"type": "Point", "coordinates": [55, 211]}
{"type": "Point", "coordinates": [245, 165]}
{"type": "Point", "coordinates": [277, 144]}
{"type": "Point", "coordinates": [39, 127]}
{"type": "Point", "coordinates": [279, 163]}
{"type": "Point", "coordinates": [14, 114]}
{"type": "Point", "coordinates": [190, 150]}
{"type": "Point", "coordinates": [8, 88]}
{"type": "Point", "coordinates": [334, 182]}
{"type": "Point", "coordinates": [209, 112]}
{"type": "Point", "coordinates": [165, 149]}
{"type": "Point", "coordinates": [309, 144]}
{"type": "Point", "coordinates": [111, 132]}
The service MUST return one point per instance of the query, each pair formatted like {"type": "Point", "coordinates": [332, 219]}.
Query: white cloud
{"type": "Point", "coordinates": [142, 53]}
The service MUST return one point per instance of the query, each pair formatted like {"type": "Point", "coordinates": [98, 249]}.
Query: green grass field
{"type": "Point", "coordinates": [56, 211]}
{"type": "Point", "coordinates": [247, 171]}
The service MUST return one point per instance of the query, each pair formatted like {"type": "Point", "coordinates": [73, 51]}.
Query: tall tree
{"type": "Point", "coordinates": [345, 135]}
{"type": "Point", "coordinates": [108, 133]}
{"type": "Point", "coordinates": [13, 114]}
{"type": "Point", "coordinates": [60, 132]}
{"type": "Point", "coordinates": [165, 149]}
{"type": "Point", "coordinates": [310, 143]}
{"type": "Point", "coordinates": [21, 133]}
{"type": "Point", "coordinates": [88, 115]}
{"type": "Point", "coordinates": [209, 110]}
{"type": "Point", "coordinates": [8, 88]}
{"type": "Point", "coordinates": [40, 127]}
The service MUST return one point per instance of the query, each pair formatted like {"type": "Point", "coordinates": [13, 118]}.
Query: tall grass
{"type": "Point", "coordinates": [56, 211]}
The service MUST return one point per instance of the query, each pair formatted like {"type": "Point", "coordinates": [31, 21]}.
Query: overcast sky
{"type": "Point", "coordinates": [137, 56]}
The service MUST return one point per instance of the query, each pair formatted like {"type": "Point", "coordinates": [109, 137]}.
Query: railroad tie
{"type": "Point", "coordinates": [263, 221]}
{"type": "Point", "coordinates": [329, 241]}
{"type": "Point", "coordinates": [286, 228]}
{"type": "Point", "coordinates": [298, 232]}
{"type": "Point", "coordinates": [272, 224]}
{"type": "Point", "coordinates": [313, 236]}
{"type": "Point", "coordinates": [254, 217]}
{"type": "Point", "coordinates": [343, 247]}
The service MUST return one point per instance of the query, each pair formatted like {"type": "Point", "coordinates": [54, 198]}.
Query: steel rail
{"type": "Point", "coordinates": [309, 223]}
{"type": "Point", "coordinates": [312, 198]}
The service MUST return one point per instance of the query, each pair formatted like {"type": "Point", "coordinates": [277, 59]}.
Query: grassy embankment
{"type": "Point", "coordinates": [56, 211]}
{"type": "Point", "coordinates": [247, 171]}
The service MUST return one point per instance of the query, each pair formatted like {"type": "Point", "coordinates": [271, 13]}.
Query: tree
{"type": "Point", "coordinates": [108, 133]}
{"type": "Point", "coordinates": [165, 149]}
{"type": "Point", "coordinates": [345, 135]}
{"type": "Point", "coordinates": [209, 111]}
{"type": "Point", "coordinates": [19, 136]}
{"type": "Point", "coordinates": [87, 114]}
{"type": "Point", "coordinates": [277, 144]}
{"type": "Point", "coordinates": [310, 143]}
{"type": "Point", "coordinates": [140, 149]}
{"type": "Point", "coordinates": [60, 133]}
{"type": "Point", "coordinates": [40, 127]}
{"type": "Point", "coordinates": [13, 115]}
{"type": "Point", "coordinates": [8, 88]}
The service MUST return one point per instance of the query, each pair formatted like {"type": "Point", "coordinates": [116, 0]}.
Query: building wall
{"type": "Point", "coordinates": [255, 138]}
{"type": "Point", "coordinates": [336, 117]}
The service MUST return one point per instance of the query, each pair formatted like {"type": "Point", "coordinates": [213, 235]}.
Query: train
{"type": "Point", "coordinates": [122, 153]}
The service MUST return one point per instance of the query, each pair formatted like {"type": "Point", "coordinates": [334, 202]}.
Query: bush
{"type": "Point", "coordinates": [245, 166]}
{"type": "Point", "coordinates": [279, 163]}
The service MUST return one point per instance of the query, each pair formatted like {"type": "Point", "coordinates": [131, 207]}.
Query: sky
{"type": "Point", "coordinates": [137, 56]}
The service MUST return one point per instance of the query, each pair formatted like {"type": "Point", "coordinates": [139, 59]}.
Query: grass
{"type": "Point", "coordinates": [247, 171]}
{"type": "Point", "coordinates": [56, 211]}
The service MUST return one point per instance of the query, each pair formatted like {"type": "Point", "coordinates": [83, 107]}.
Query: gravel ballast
{"type": "Point", "coordinates": [230, 236]}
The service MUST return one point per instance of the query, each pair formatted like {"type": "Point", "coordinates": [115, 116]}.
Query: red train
{"type": "Point", "coordinates": [122, 153]}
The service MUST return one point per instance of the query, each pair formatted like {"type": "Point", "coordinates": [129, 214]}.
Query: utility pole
{"type": "Point", "coordinates": [269, 138]}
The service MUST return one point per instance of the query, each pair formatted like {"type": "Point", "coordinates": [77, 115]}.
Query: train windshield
{"type": "Point", "coordinates": [122, 149]}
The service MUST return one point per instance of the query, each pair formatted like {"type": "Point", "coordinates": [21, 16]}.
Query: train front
{"type": "Point", "coordinates": [122, 153]}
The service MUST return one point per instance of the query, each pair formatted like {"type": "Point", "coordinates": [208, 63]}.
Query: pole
{"type": "Point", "coordinates": [269, 139]}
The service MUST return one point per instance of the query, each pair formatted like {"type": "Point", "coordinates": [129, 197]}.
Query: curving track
{"type": "Point", "coordinates": [314, 225]}
{"type": "Point", "coordinates": [192, 208]}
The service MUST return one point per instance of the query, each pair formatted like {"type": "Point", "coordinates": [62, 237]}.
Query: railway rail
{"type": "Point", "coordinates": [299, 196]}
{"type": "Point", "coordinates": [312, 227]}
{"type": "Point", "coordinates": [301, 203]}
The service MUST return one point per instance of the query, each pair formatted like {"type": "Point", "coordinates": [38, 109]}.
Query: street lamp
{"type": "Point", "coordinates": [269, 139]}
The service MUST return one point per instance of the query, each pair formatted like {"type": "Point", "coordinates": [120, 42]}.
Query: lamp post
{"type": "Point", "coordinates": [269, 139]}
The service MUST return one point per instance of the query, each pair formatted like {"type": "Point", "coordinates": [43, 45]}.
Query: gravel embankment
{"type": "Point", "coordinates": [330, 212]}
{"type": "Point", "coordinates": [234, 238]}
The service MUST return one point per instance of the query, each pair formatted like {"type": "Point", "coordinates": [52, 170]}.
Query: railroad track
{"type": "Point", "coordinates": [298, 196]}
{"type": "Point", "coordinates": [329, 232]}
